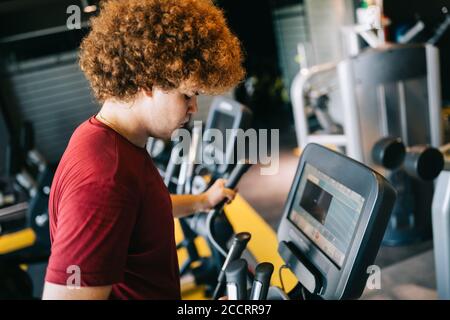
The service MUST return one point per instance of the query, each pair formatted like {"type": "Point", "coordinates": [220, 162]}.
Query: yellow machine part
{"type": "Point", "coordinates": [17, 240]}
{"type": "Point", "coordinates": [263, 244]}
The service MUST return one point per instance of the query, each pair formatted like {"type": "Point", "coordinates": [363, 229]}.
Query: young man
{"type": "Point", "coordinates": [111, 215]}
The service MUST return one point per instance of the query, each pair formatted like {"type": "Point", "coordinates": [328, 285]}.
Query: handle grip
{"type": "Point", "coordinates": [261, 283]}
{"type": "Point", "coordinates": [236, 274]}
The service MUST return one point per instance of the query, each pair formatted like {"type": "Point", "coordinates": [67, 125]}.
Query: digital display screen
{"type": "Point", "coordinates": [327, 212]}
{"type": "Point", "coordinates": [224, 123]}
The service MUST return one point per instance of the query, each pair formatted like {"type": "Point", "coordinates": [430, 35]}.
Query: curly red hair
{"type": "Point", "coordinates": [139, 44]}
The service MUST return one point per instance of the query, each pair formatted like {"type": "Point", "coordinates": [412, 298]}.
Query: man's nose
{"type": "Point", "coordinates": [193, 108]}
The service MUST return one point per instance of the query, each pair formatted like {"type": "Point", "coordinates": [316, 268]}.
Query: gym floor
{"type": "Point", "coordinates": [407, 271]}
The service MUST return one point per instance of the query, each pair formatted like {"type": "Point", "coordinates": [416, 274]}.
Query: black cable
{"type": "Point", "coordinates": [284, 266]}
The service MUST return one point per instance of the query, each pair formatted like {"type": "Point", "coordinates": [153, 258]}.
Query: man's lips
{"type": "Point", "coordinates": [183, 124]}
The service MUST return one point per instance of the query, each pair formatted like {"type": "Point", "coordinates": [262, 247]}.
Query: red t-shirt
{"type": "Point", "coordinates": [111, 216]}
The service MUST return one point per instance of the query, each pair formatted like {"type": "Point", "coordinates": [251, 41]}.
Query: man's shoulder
{"type": "Point", "coordinates": [92, 143]}
{"type": "Point", "coordinates": [95, 151]}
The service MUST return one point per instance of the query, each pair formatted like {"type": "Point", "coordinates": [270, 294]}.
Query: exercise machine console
{"type": "Point", "coordinates": [333, 223]}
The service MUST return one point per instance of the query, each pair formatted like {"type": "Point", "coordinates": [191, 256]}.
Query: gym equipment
{"type": "Point", "coordinates": [332, 226]}
{"type": "Point", "coordinates": [209, 269]}
{"type": "Point", "coordinates": [414, 32]}
{"type": "Point", "coordinates": [422, 162]}
{"type": "Point", "coordinates": [238, 171]}
{"type": "Point", "coordinates": [261, 283]}
{"type": "Point", "coordinates": [441, 228]}
{"type": "Point", "coordinates": [13, 217]}
{"type": "Point", "coordinates": [157, 149]}
{"type": "Point", "coordinates": [369, 30]}
{"type": "Point", "coordinates": [385, 93]}
{"type": "Point", "coordinates": [219, 158]}
{"type": "Point", "coordinates": [239, 241]}
{"type": "Point", "coordinates": [443, 27]}
{"type": "Point", "coordinates": [238, 245]}
{"type": "Point", "coordinates": [333, 223]}
{"type": "Point", "coordinates": [319, 104]}
{"type": "Point", "coordinates": [24, 227]}
{"type": "Point", "coordinates": [417, 165]}
{"type": "Point", "coordinates": [389, 153]}
{"type": "Point", "coordinates": [227, 116]}
{"type": "Point", "coordinates": [236, 274]}
{"type": "Point", "coordinates": [35, 179]}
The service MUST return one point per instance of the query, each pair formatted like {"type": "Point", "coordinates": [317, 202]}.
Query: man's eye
{"type": "Point", "coordinates": [188, 97]}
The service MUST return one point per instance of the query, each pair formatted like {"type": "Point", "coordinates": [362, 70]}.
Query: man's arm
{"type": "Point", "coordinates": [95, 223]}
{"type": "Point", "coordinates": [186, 204]}
{"type": "Point", "coordinates": [60, 292]}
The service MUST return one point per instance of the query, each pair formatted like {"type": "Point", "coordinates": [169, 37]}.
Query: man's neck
{"type": "Point", "coordinates": [121, 118]}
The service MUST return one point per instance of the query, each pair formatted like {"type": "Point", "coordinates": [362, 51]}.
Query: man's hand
{"type": "Point", "coordinates": [216, 193]}
{"type": "Point", "coordinates": [187, 204]}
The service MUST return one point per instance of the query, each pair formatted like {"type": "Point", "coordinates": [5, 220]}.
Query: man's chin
{"type": "Point", "coordinates": [162, 136]}
{"type": "Point", "coordinates": [175, 132]}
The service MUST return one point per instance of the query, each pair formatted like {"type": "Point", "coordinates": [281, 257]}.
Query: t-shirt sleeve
{"type": "Point", "coordinates": [94, 226]}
